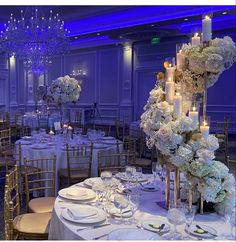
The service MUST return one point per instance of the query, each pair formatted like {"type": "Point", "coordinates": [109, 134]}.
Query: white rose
{"type": "Point", "coordinates": [164, 133]}
{"type": "Point", "coordinates": [164, 107]}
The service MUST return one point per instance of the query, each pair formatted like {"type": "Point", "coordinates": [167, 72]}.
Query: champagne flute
{"type": "Point", "coordinates": [189, 216]}
{"type": "Point", "coordinates": [154, 171]}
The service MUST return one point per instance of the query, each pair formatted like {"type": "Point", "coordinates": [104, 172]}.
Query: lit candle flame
{"type": "Point", "coordinates": [170, 65]}
{"type": "Point", "coordinates": [196, 35]}
{"type": "Point", "coordinates": [207, 17]}
{"type": "Point", "coordinates": [177, 94]}
{"type": "Point", "coordinates": [204, 123]}
{"type": "Point", "coordinates": [169, 79]}
{"type": "Point", "coordinates": [194, 109]}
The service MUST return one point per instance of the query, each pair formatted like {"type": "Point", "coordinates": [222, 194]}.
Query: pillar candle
{"type": "Point", "coordinates": [170, 91]}
{"type": "Point", "coordinates": [194, 116]}
{"type": "Point", "coordinates": [177, 105]}
{"type": "Point", "coordinates": [196, 40]}
{"type": "Point", "coordinates": [180, 58]}
{"type": "Point", "coordinates": [204, 130]}
{"type": "Point", "coordinates": [206, 29]}
{"type": "Point", "coordinates": [170, 73]}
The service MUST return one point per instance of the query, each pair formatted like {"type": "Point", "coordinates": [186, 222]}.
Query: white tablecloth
{"type": "Point", "coordinates": [49, 151]}
{"type": "Point", "coordinates": [61, 229]}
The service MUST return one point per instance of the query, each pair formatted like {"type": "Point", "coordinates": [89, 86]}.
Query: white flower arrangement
{"type": "Point", "coordinates": [194, 156]}
{"type": "Point", "coordinates": [212, 61]}
{"type": "Point", "coordinates": [64, 90]}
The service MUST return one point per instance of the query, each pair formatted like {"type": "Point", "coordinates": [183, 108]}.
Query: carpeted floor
{"type": "Point", "coordinates": [232, 152]}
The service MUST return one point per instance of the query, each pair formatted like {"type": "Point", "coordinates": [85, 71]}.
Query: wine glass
{"type": "Point", "coordinates": [176, 217]}
{"type": "Point", "coordinates": [121, 202]}
{"type": "Point", "coordinates": [99, 189]}
{"type": "Point", "coordinates": [154, 171]}
{"type": "Point", "coordinates": [134, 200]}
{"type": "Point", "coordinates": [233, 223]}
{"type": "Point", "coordinates": [106, 177]}
{"type": "Point", "coordinates": [189, 216]}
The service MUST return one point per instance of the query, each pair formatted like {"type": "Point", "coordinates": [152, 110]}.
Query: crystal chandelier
{"type": "Point", "coordinates": [35, 39]}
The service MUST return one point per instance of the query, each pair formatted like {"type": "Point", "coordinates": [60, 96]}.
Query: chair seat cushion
{"type": "Point", "coordinates": [32, 223]}
{"type": "Point", "coordinates": [73, 174]}
{"type": "Point", "coordinates": [42, 204]}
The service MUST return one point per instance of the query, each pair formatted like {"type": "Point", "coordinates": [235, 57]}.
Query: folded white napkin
{"type": "Point", "coordinates": [80, 213]}
{"type": "Point", "coordinates": [76, 192]}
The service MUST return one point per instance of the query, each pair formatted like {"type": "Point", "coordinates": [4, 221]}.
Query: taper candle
{"type": "Point", "coordinates": [177, 105]}
{"type": "Point", "coordinates": [204, 130]}
{"type": "Point", "coordinates": [180, 58]}
{"type": "Point", "coordinates": [206, 29]}
{"type": "Point", "coordinates": [196, 40]}
{"type": "Point", "coordinates": [193, 114]}
{"type": "Point", "coordinates": [170, 91]}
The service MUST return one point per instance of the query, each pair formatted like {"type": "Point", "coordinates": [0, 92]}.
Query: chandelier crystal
{"type": "Point", "coordinates": [35, 39]}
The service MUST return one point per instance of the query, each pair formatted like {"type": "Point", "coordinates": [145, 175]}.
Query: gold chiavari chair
{"type": "Point", "coordinates": [230, 161]}
{"type": "Point", "coordinates": [222, 136]}
{"type": "Point", "coordinates": [79, 160]}
{"type": "Point", "coordinates": [112, 162]}
{"type": "Point", "coordinates": [5, 143]}
{"type": "Point", "coordinates": [29, 226]}
{"type": "Point", "coordinates": [40, 181]}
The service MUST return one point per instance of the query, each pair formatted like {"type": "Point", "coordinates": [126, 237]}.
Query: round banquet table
{"type": "Point", "coordinates": [29, 151]}
{"type": "Point", "coordinates": [62, 229]}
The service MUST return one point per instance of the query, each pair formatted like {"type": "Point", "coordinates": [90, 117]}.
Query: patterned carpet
{"type": "Point", "coordinates": [232, 151]}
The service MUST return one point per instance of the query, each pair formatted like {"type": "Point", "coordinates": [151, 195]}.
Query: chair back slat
{"type": "Point", "coordinates": [39, 176]}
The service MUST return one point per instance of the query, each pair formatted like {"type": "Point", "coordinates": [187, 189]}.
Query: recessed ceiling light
{"type": "Point", "coordinates": [224, 13]}
{"type": "Point", "coordinates": [152, 25]}
{"type": "Point", "coordinates": [186, 19]}
{"type": "Point", "coordinates": [98, 33]}
{"type": "Point", "coordinates": [76, 37]}
{"type": "Point", "coordinates": [120, 36]}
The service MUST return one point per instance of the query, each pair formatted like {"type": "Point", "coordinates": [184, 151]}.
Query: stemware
{"type": "Point", "coordinates": [134, 201]}
{"type": "Point", "coordinates": [233, 223]}
{"type": "Point", "coordinates": [106, 177]}
{"type": "Point", "coordinates": [176, 217]}
{"type": "Point", "coordinates": [99, 189]}
{"type": "Point", "coordinates": [189, 216]}
{"type": "Point", "coordinates": [154, 171]}
{"type": "Point", "coordinates": [121, 202]}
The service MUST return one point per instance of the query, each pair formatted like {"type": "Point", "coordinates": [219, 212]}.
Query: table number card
{"type": "Point", "coordinates": [57, 125]}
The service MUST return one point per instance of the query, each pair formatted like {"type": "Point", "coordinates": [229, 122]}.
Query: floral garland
{"type": "Point", "coordinates": [179, 140]}
{"type": "Point", "coordinates": [64, 90]}
{"type": "Point", "coordinates": [212, 61]}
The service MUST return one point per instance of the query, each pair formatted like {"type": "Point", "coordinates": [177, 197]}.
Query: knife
{"type": "Point", "coordinates": [205, 231]}
{"type": "Point", "coordinates": [93, 227]}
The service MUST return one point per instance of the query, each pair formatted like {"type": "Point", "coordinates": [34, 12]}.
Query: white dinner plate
{"type": "Point", "coordinates": [139, 177]}
{"type": "Point", "coordinates": [149, 187]}
{"type": "Point", "coordinates": [90, 181]}
{"type": "Point", "coordinates": [154, 225]}
{"type": "Point", "coordinates": [77, 193]}
{"type": "Point", "coordinates": [95, 214]}
{"type": "Point", "coordinates": [193, 230]}
{"type": "Point", "coordinates": [132, 234]}
{"type": "Point", "coordinates": [27, 138]}
{"type": "Point", "coordinates": [24, 142]}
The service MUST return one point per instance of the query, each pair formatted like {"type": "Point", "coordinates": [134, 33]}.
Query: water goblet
{"type": "Point", "coordinates": [121, 202]}
{"type": "Point", "coordinates": [99, 189]}
{"type": "Point", "coordinates": [176, 217]}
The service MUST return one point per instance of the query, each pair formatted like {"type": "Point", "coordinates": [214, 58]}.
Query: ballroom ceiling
{"type": "Point", "coordinates": [98, 25]}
